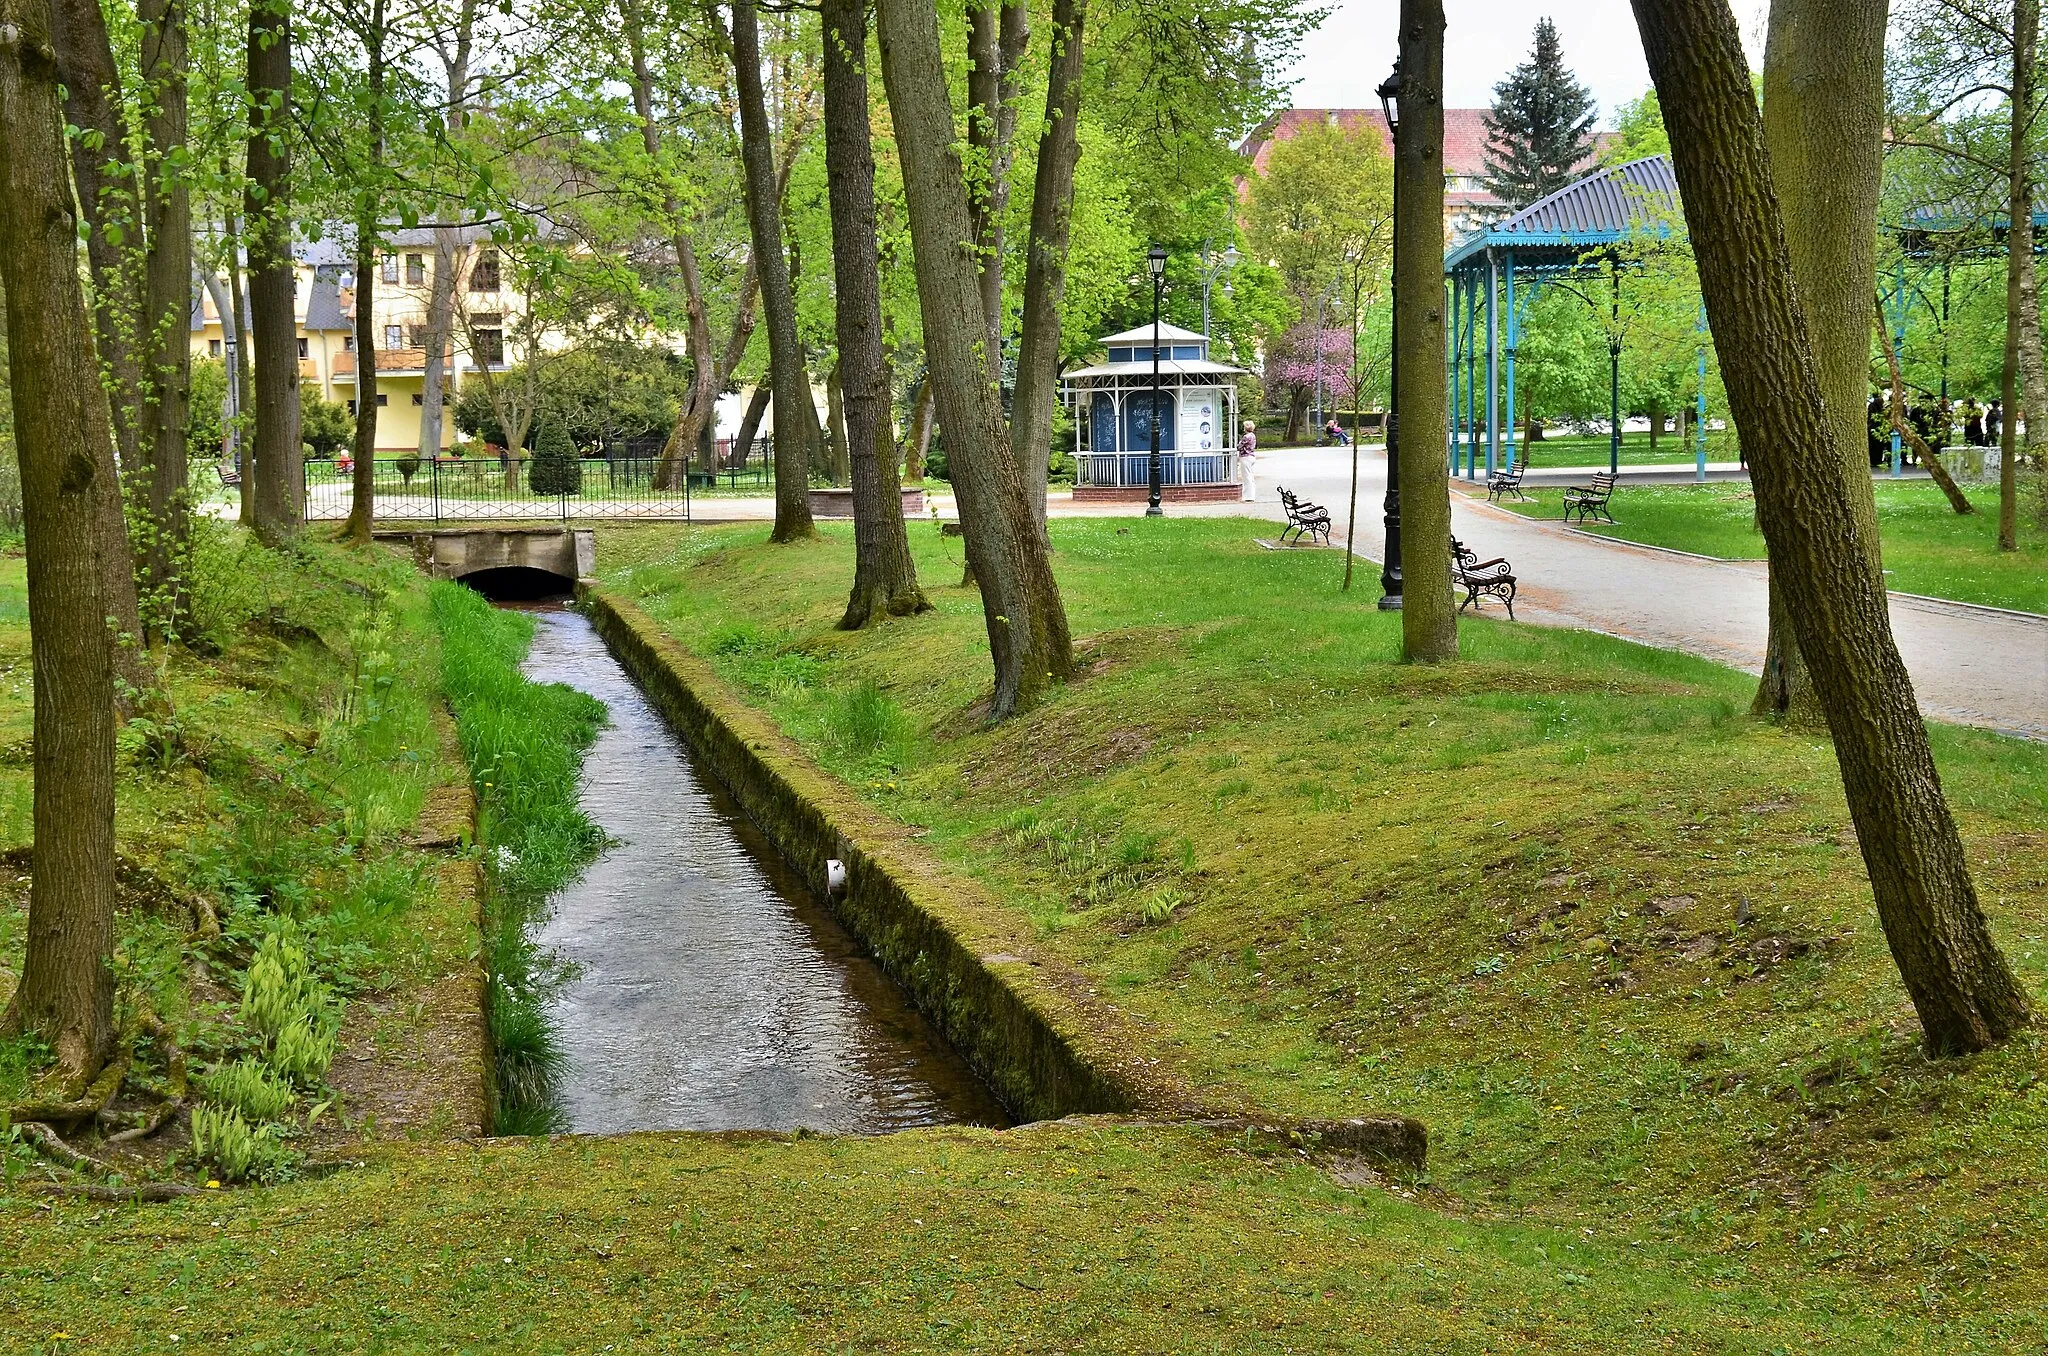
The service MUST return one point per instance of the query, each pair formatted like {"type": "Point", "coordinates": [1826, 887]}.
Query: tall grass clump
{"type": "Point", "coordinates": [524, 742]}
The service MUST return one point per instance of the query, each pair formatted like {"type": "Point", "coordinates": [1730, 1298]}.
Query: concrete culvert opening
{"type": "Point", "coordinates": [518, 584]}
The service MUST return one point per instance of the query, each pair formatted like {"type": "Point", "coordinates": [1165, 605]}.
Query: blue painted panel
{"type": "Point", "coordinates": [1102, 424]}
{"type": "Point", "coordinates": [1122, 355]}
{"type": "Point", "coordinates": [1138, 421]}
{"type": "Point", "coordinates": [1193, 351]}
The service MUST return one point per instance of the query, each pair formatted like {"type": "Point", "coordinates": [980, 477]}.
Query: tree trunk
{"type": "Point", "coordinates": [167, 318]}
{"type": "Point", "coordinates": [440, 328]}
{"type": "Point", "coordinates": [750, 425]}
{"type": "Point", "coordinates": [107, 194]}
{"type": "Point", "coordinates": [278, 468]}
{"type": "Point", "coordinates": [837, 466]}
{"type": "Point", "coordinates": [706, 380]}
{"type": "Point", "coordinates": [884, 576]}
{"type": "Point", "coordinates": [1929, 458]}
{"type": "Point", "coordinates": [1429, 614]}
{"type": "Point", "coordinates": [794, 413]}
{"type": "Point", "coordinates": [997, 34]}
{"type": "Point", "coordinates": [1297, 414]}
{"type": "Point", "coordinates": [242, 375]}
{"type": "Point", "coordinates": [362, 509]}
{"type": "Point", "coordinates": [1824, 129]}
{"type": "Point", "coordinates": [66, 992]}
{"type": "Point", "coordinates": [1027, 625]}
{"type": "Point", "coordinates": [1966, 997]}
{"type": "Point", "coordinates": [917, 441]}
{"type": "Point", "coordinates": [2019, 264]}
{"type": "Point", "coordinates": [108, 191]}
{"type": "Point", "coordinates": [1045, 260]}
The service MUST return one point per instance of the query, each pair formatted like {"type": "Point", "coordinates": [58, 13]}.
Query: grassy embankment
{"type": "Point", "coordinates": [1375, 888]}
{"type": "Point", "coordinates": [294, 917]}
{"type": "Point", "coordinates": [1928, 548]}
{"type": "Point", "coordinates": [1607, 936]}
{"type": "Point", "coordinates": [524, 744]}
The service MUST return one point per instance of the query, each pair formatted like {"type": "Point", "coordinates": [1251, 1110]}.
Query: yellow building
{"type": "Point", "coordinates": [325, 315]}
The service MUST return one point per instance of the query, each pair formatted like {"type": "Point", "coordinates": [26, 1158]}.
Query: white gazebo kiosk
{"type": "Point", "coordinates": [1112, 408]}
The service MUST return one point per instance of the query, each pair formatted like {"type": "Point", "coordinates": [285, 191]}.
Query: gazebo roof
{"type": "Point", "coordinates": [1599, 209]}
{"type": "Point", "coordinates": [1169, 333]}
{"type": "Point", "coordinates": [1168, 367]}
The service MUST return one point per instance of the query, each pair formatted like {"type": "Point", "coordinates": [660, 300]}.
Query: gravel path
{"type": "Point", "coordinates": [1976, 666]}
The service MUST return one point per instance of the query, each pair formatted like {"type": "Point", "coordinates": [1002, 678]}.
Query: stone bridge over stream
{"type": "Point", "coordinates": [550, 559]}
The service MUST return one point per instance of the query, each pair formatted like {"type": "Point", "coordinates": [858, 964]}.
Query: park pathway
{"type": "Point", "coordinates": [1976, 666]}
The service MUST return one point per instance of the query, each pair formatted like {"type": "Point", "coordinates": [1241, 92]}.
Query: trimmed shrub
{"type": "Point", "coordinates": [556, 467]}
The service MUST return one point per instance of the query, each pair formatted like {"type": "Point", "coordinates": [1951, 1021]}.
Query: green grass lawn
{"type": "Point", "coordinates": [1054, 1238]}
{"type": "Point", "coordinates": [1928, 548]}
{"type": "Point", "coordinates": [1561, 448]}
{"type": "Point", "coordinates": [1607, 936]}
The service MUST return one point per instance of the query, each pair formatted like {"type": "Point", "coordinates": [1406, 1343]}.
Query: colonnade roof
{"type": "Point", "coordinates": [1599, 209]}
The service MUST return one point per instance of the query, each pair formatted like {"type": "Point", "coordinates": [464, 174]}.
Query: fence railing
{"type": "Point", "coordinates": [467, 489]}
{"type": "Point", "coordinates": [1118, 469]}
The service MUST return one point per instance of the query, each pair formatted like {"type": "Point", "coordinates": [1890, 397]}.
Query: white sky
{"type": "Point", "coordinates": [1484, 40]}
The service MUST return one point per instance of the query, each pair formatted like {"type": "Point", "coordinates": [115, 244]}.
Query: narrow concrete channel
{"type": "Point", "coordinates": [704, 987]}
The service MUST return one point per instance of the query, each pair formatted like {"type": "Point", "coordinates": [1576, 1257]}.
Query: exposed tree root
{"type": "Point", "coordinates": [52, 1146]}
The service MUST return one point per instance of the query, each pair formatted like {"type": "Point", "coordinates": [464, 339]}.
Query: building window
{"type": "Point", "coordinates": [483, 274]}
{"type": "Point", "coordinates": [415, 269]}
{"type": "Point", "coordinates": [487, 339]}
{"type": "Point", "coordinates": [213, 348]}
{"type": "Point", "coordinates": [391, 268]}
{"type": "Point", "coordinates": [348, 343]}
{"type": "Point", "coordinates": [304, 351]}
{"type": "Point", "coordinates": [383, 399]}
{"type": "Point", "coordinates": [393, 337]}
{"type": "Point", "coordinates": [418, 398]}
{"type": "Point", "coordinates": [351, 409]}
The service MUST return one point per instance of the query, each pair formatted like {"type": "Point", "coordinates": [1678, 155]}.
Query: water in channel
{"type": "Point", "coordinates": [707, 989]}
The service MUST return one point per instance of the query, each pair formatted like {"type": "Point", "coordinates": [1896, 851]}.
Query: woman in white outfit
{"type": "Point", "coordinates": [1247, 456]}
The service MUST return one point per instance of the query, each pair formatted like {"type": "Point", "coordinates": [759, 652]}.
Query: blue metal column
{"type": "Point", "coordinates": [1471, 373]}
{"type": "Point", "coordinates": [1514, 333]}
{"type": "Point", "coordinates": [1699, 423]}
{"type": "Point", "coordinates": [1899, 348]}
{"type": "Point", "coordinates": [1453, 356]}
{"type": "Point", "coordinates": [1492, 366]}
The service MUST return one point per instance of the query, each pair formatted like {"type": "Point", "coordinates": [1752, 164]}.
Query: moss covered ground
{"type": "Point", "coordinates": [1928, 548]}
{"type": "Point", "coordinates": [1563, 902]}
{"type": "Point", "coordinates": [1607, 936]}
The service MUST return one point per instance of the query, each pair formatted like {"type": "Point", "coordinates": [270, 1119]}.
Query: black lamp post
{"type": "Point", "coordinates": [1390, 569]}
{"type": "Point", "coordinates": [1614, 371]}
{"type": "Point", "coordinates": [1155, 259]}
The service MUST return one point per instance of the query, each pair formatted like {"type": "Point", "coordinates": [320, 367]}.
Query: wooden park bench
{"type": "Point", "coordinates": [230, 478]}
{"type": "Point", "coordinates": [1482, 578]}
{"type": "Point", "coordinates": [1508, 481]}
{"type": "Point", "coordinates": [1305, 521]}
{"type": "Point", "coordinates": [1590, 499]}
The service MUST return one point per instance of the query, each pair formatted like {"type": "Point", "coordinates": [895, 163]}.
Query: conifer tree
{"type": "Point", "coordinates": [1540, 128]}
{"type": "Point", "coordinates": [556, 468]}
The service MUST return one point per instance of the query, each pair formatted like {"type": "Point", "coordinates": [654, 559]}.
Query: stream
{"type": "Point", "coordinates": [705, 987]}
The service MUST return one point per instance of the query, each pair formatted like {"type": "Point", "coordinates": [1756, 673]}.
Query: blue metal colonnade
{"type": "Point", "coordinates": [1571, 233]}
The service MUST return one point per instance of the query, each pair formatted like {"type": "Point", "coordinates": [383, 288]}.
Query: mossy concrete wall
{"type": "Point", "coordinates": [1042, 1050]}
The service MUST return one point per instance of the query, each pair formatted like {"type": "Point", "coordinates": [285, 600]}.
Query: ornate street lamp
{"type": "Point", "coordinates": [1155, 259]}
{"type": "Point", "coordinates": [1390, 569]}
{"type": "Point", "coordinates": [1213, 268]}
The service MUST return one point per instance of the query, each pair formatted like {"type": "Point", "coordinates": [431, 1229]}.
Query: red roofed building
{"type": "Point", "coordinates": [1466, 200]}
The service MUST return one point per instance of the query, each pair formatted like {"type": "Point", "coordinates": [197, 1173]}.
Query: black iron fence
{"type": "Point", "coordinates": [629, 482]}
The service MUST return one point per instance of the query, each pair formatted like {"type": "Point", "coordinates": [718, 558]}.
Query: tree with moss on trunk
{"type": "Point", "coordinates": [795, 415]}
{"type": "Point", "coordinates": [1965, 994]}
{"type": "Point", "coordinates": [1027, 624]}
{"type": "Point", "coordinates": [1429, 614]}
{"type": "Point", "coordinates": [66, 991]}
{"type": "Point", "coordinates": [1823, 124]}
{"type": "Point", "coordinates": [884, 576]}
{"type": "Point", "coordinates": [279, 467]}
